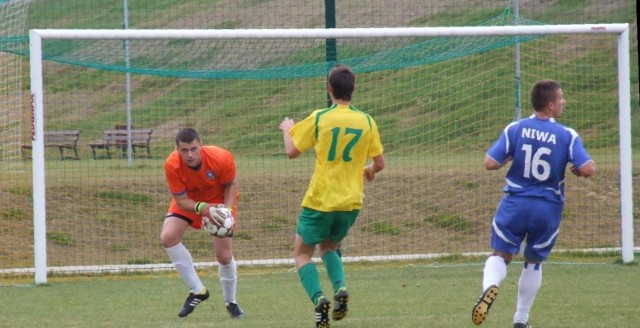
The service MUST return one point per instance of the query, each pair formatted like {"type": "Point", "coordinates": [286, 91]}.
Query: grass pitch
{"type": "Point", "coordinates": [401, 294]}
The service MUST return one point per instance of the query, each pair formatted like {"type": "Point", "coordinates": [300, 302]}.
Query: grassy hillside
{"type": "Point", "coordinates": [397, 98]}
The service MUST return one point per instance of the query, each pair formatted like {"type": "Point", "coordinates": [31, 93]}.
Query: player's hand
{"type": "Point", "coordinates": [575, 170]}
{"type": "Point", "coordinates": [203, 209]}
{"type": "Point", "coordinates": [369, 175]}
{"type": "Point", "coordinates": [233, 227]}
{"type": "Point", "coordinates": [286, 124]}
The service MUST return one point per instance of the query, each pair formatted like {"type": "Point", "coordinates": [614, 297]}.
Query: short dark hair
{"type": "Point", "coordinates": [544, 92]}
{"type": "Point", "coordinates": [187, 135]}
{"type": "Point", "coordinates": [342, 81]}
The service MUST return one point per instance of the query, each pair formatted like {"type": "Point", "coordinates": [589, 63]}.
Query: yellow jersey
{"type": "Point", "coordinates": [344, 138]}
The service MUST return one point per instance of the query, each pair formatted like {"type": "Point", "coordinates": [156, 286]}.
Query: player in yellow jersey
{"type": "Point", "coordinates": [344, 139]}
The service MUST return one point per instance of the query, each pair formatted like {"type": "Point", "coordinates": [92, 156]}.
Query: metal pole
{"type": "Point", "coordinates": [518, 76]}
{"type": "Point", "coordinates": [37, 153]}
{"type": "Point", "coordinates": [331, 51]}
{"type": "Point", "coordinates": [125, 25]}
{"type": "Point", "coordinates": [626, 159]}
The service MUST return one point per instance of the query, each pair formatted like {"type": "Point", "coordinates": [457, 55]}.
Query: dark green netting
{"type": "Point", "coordinates": [265, 59]}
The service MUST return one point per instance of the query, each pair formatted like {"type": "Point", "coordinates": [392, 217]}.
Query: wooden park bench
{"type": "Point", "coordinates": [117, 138]}
{"type": "Point", "coordinates": [61, 139]}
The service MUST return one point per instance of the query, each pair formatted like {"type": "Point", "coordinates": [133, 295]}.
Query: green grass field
{"type": "Point", "coordinates": [407, 294]}
{"type": "Point", "coordinates": [576, 292]}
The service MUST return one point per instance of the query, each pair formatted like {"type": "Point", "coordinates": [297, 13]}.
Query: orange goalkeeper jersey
{"type": "Point", "coordinates": [206, 184]}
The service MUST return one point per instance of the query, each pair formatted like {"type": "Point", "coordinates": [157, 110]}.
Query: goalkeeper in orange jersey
{"type": "Point", "coordinates": [200, 177]}
{"type": "Point", "coordinates": [344, 139]}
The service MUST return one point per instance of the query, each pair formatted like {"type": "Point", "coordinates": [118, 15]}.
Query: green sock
{"type": "Point", "coordinates": [335, 269]}
{"type": "Point", "coordinates": [310, 281]}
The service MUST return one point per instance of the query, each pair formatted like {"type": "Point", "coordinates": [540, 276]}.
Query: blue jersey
{"type": "Point", "coordinates": [540, 150]}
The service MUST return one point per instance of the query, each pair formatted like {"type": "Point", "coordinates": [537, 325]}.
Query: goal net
{"type": "Point", "coordinates": [440, 97]}
{"type": "Point", "coordinates": [12, 26]}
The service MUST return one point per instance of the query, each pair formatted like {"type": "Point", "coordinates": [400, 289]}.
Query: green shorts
{"type": "Point", "coordinates": [315, 227]}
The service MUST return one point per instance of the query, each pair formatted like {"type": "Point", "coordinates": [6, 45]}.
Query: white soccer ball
{"type": "Point", "coordinates": [223, 221]}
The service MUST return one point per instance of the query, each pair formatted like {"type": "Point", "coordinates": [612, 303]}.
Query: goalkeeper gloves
{"type": "Point", "coordinates": [200, 206]}
{"type": "Point", "coordinates": [204, 209]}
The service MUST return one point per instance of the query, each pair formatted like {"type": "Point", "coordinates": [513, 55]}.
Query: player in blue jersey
{"type": "Point", "coordinates": [540, 149]}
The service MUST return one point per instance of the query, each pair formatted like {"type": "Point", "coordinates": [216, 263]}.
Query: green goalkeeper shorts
{"type": "Point", "coordinates": [315, 227]}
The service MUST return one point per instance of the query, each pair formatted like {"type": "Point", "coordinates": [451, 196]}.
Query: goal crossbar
{"type": "Point", "coordinates": [36, 56]}
{"type": "Point", "coordinates": [392, 32]}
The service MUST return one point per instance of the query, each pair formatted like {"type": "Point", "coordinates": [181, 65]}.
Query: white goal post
{"type": "Point", "coordinates": [37, 105]}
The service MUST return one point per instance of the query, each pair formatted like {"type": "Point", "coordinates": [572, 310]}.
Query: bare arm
{"type": "Point", "coordinates": [185, 203]}
{"type": "Point", "coordinates": [289, 147]}
{"type": "Point", "coordinates": [491, 164]}
{"type": "Point", "coordinates": [586, 170]}
{"type": "Point", "coordinates": [230, 193]}
{"type": "Point", "coordinates": [373, 168]}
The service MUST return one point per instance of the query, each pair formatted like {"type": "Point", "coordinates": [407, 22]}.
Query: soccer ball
{"type": "Point", "coordinates": [219, 221]}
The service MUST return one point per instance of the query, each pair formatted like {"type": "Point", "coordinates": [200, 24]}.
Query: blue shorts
{"type": "Point", "coordinates": [531, 218]}
{"type": "Point", "coordinates": [315, 227]}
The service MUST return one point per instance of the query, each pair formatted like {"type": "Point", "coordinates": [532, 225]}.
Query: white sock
{"type": "Point", "coordinates": [229, 279]}
{"type": "Point", "coordinates": [495, 270]}
{"type": "Point", "coordinates": [528, 286]}
{"type": "Point", "coordinates": [182, 261]}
